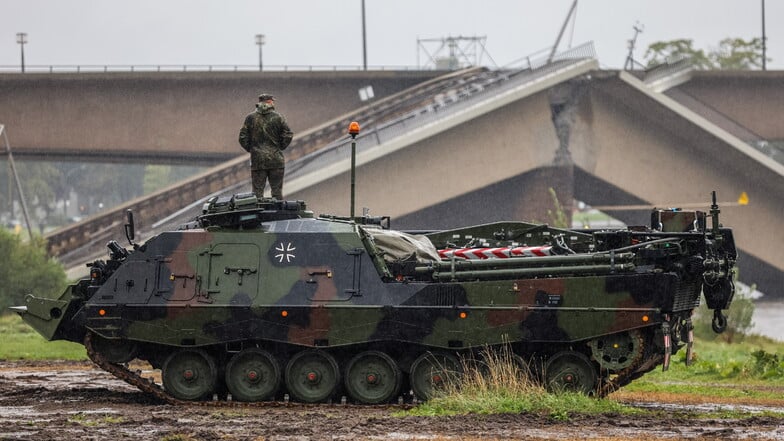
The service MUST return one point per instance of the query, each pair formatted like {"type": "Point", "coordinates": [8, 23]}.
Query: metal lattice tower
{"type": "Point", "coordinates": [452, 53]}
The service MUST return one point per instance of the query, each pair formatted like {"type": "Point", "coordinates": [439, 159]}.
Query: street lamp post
{"type": "Point", "coordinates": [260, 41]}
{"type": "Point", "coordinates": [21, 38]}
{"type": "Point", "coordinates": [364, 39]}
{"type": "Point", "coordinates": [764, 40]}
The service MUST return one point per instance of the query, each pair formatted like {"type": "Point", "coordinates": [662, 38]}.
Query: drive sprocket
{"type": "Point", "coordinates": [616, 352]}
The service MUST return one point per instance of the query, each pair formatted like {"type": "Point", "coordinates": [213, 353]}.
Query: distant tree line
{"type": "Point", "coordinates": [26, 269]}
{"type": "Point", "coordinates": [48, 187]}
{"type": "Point", "coordinates": [731, 54]}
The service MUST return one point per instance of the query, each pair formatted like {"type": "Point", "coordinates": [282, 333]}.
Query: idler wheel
{"type": "Point", "coordinates": [312, 376]}
{"type": "Point", "coordinates": [253, 375]}
{"type": "Point", "coordinates": [570, 371]}
{"type": "Point", "coordinates": [189, 374]}
{"type": "Point", "coordinates": [432, 372]}
{"type": "Point", "coordinates": [373, 377]}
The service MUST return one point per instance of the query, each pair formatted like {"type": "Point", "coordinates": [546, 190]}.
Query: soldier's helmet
{"type": "Point", "coordinates": [266, 96]}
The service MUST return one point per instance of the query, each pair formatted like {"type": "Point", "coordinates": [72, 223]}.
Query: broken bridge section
{"type": "Point", "coordinates": [604, 137]}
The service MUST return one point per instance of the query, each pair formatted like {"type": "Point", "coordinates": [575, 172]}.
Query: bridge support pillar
{"type": "Point", "coordinates": [526, 197]}
{"type": "Point", "coordinates": [541, 191]}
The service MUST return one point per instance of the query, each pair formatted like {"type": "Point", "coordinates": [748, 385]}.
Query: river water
{"type": "Point", "coordinates": [768, 319]}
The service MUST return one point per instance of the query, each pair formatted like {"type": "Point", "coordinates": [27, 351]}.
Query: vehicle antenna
{"type": "Point", "coordinates": [353, 130]}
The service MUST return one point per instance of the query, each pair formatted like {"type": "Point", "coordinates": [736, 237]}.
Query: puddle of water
{"type": "Point", "coordinates": [16, 435]}
{"type": "Point", "coordinates": [402, 436]}
{"type": "Point", "coordinates": [103, 411]}
{"type": "Point", "coordinates": [15, 411]}
{"type": "Point", "coordinates": [707, 407]}
{"type": "Point", "coordinates": [767, 319]}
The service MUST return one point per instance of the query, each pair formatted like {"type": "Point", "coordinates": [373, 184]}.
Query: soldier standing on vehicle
{"type": "Point", "coordinates": [265, 135]}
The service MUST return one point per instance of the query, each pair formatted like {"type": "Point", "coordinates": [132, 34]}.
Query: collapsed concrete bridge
{"type": "Point", "coordinates": [478, 145]}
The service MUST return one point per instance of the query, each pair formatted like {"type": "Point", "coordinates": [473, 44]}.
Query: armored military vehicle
{"type": "Point", "coordinates": [260, 299]}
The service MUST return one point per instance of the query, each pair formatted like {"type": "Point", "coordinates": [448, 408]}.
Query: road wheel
{"type": "Point", "coordinates": [312, 376]}
{"type": "Point", "coordinates": [373, 377]}
{"type": "Point", "coordinates": [432, 372]}
{"type": "Point", "coordinates": [253, 375]}
{"type": "Point", "coordinates": [570, 371]}
{"type": "Point", "coordinates": [189, 374]}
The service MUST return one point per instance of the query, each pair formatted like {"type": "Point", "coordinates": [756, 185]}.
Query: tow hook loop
{"type": "Point", "coordinates": [719, 323]}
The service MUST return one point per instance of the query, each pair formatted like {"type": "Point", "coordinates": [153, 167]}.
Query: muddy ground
{"type": "Point", "coordinates": [74, 400]}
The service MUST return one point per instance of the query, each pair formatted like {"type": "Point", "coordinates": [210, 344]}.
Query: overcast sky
{"type": "Point", "coordinates": [329, 32]}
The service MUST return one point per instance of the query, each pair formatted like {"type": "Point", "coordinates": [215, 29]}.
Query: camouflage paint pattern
{"type": "Point", "coordinates": [283, 279]}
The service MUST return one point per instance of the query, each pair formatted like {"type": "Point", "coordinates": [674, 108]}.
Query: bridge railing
{"type": "Point", "coordinates": [106, 68]}
{"type": "Point", "coordinates": [440, 105]}
{"type": "Point", "coordinates": [533, 61]}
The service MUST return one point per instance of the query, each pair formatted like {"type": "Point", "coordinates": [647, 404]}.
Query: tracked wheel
{"type": "Point", "coordinates": [253, 375]}
{"type": "Point", "coordinates": [617, 351]}
{"type": "Point", "coordinates": [570, 371]}
{"type": "Point", "coordinates": [189, 374]}
{"type": "Point", "coordinates": [312, 376]}
{"type": "Point", "coordinates": [432, 372]}
{"type": "Point", "coordinates": [373, 377]}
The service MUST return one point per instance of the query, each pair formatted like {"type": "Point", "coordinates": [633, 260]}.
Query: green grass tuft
{"type": "Point", "coordinates": [93, 421]}
{"type": "Point", "coordinates": [499, 384]}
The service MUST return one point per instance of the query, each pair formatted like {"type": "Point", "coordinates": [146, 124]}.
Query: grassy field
{"type": "Point", "coordinates": [21, 342]}
{"type": "Point", "coordinates": [753, 369]}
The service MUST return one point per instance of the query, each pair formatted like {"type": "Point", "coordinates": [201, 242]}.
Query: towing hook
{"type": "Point", "coordinates": [719, 323]}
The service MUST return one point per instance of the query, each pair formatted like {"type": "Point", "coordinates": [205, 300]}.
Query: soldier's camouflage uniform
{"type": "Point", "coordinates": [265, 134]}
